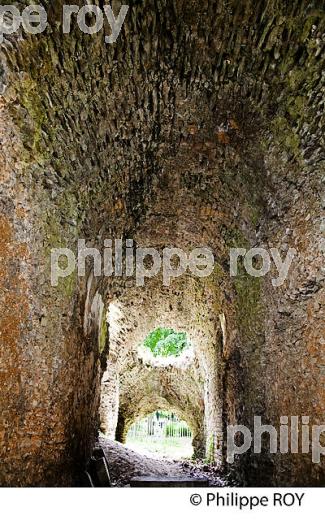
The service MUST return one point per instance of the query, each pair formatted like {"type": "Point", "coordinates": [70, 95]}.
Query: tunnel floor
{"type": "Point", "coordinates": [125, 464]}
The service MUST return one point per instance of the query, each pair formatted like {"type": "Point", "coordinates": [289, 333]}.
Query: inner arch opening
{"type": "Point", "coordinates": [166, 346]}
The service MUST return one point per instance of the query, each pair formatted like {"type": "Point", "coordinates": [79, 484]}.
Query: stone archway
{"type": "Point", "coordinates": [133, 386]}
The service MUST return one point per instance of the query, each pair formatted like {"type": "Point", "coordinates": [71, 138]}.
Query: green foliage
{"type": "Point", "coordinates": [177, 428]}
{"type": "Point", "coordinates": [166, 342]}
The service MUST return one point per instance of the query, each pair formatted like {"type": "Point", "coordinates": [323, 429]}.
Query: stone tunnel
{"type": "Point", "coordinates": [201, 126]}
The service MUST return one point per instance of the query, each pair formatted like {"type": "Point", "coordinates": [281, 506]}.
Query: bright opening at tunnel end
{"type": "Point", "coordinates": [164, 346]}
{"type": "Point", "coordinates": [161, 435]}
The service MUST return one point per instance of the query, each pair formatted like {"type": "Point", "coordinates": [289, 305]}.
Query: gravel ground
{"type": "Point", "coordinates": [125, 463]}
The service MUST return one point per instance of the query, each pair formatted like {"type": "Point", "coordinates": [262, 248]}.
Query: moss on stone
{"type": "Point", "coordinates": [102, 335]}
{"type": "Point", "coordinates": [249, 304]}
{"type": "Point", "coordinates": [285, 136]}
{"type": "Point", "coordinates": [54, 237]}
{"type": "Point", "coordinates": [31, 101]}
{"type": "Point", "coordinates": [210, 450]}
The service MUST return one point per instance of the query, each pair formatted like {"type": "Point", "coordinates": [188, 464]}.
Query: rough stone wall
{"type": "Point", "coordinates": [48, 366]}
{"type": "Point", "coordinates": [293, 356]}
{"type": "Point", "coordinates": [202, 125]}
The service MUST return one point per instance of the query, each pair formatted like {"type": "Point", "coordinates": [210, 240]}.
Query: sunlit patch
{"type": "Point", "coordinates": [161, 434]}
{"type": "Point", "coordinates": [164, 346]}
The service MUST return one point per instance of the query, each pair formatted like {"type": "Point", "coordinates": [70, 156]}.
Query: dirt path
{"type": "Point", "coordinates": [125, 464]}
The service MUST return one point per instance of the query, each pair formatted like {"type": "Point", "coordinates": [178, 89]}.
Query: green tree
{"type": "Point", "coordinates": [166, 342]}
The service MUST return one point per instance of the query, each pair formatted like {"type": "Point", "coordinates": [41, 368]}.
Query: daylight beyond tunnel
{"type": "Point", "coordinates": [161, 434]}
{"type": "Point", "coordinates": [196, 137]}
